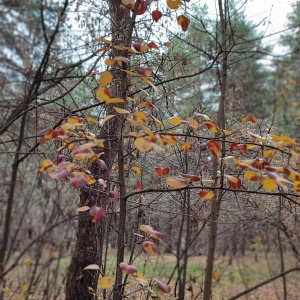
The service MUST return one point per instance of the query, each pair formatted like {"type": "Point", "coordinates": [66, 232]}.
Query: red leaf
{"type": "Point", "coordinates": [156, 15]}
{"type": "Point", "coordinates": [114, 194]}
{"type": "Point", "coordinates": [184, 22]}
{"type": "Point", "coordinates": [150, 247]}
{"type": "Point", "coordinates": [97, 214]}
{"type": "Point", "coordinates": [143, 71]}
{"type": "Point", "coordinates": [190, 177]}
{"type": "Point", "coordinates": [139, 186]}
{"type": "Point", "coordinates": [164, 287]}
{"type": "Point", "coordinates": [162, 171]}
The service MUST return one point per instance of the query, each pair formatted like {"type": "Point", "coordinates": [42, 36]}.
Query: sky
{"type": "Point", "coordinates": [270, 14]}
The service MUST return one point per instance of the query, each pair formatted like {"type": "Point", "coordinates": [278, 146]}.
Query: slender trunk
{"type": "Point", "coordinates": [10, 200]}
{"type": "Point", "coordinates": [216, 201]}
{"type": "Point", "coordinates": [90, 237]}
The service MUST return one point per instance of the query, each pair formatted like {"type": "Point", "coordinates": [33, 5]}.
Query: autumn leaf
{"type": "Point", "coordinates": [150, 247]}
{"type": "Point", "coordinates": [186, 146]}
{"type": "Point", "coordinates": [97, 213]}
{"type": "Point", "coordinates": [206, 195]}
{"type": "Point", "coordinates": [252, 176]}
{"type": "Point", "coordinates": [139, 47]}
{"type": "Point", "coordinates": [162, 286]}
{"type": "Point", "coordinates": [121, 111]}
{"type": "Point", "coordinates": [143, 144]}
{"type": "Point", "coordinates": [234, 182]}
{"type": "Point", "coordinates": [141, 279]}
{"type": "Point", "coordinates": [105, 79]}
{"type": "Point", "coordinates": [92, 267]}
{"type": "Point", "coordinates": [216, 275]}
{"type": "Point", "coordinates": [211, 126]}
{"type": "Point", "coordinates": [136, 170]}
{"type": "Point", "coordinates": [82, 208]}
{"type": "Point", "coordinates": [184, 22]}
{"type": "Point", "coordinates": [128, 269]}
{"type": "Point", "coordinates": [162, 171]}
{"type": "Point", "coordinates": [106, 282]}
{"type": "Point", "coordinates": [103, 40]}
{"type": "Point", "coordinates": [140, 117]}
{"type": "Point", "coordinates": [269, 184]}
{"type": "Point", "coordinates": [156, 15]}
{"type": "Point", "coordinates": [250, 118]}
{"type": "Point", "coordinates": [214, 147]}
{"type": "Point", "coordinates": [190, 177]}
{"type": "Point", "coordinates": [152, 45]}
{"type": "Point", "coordinates": [102, 94]}
{"type": "Point", "coordinates": [114, 194]}
{"type": "Point", "coordinates": [139, 186]}
{"type": "Point", "coordinates": [143, 71]}
{"type": "Point", "coordinates": [174, 4]}
{"type": "Point", "coordinates": [177, 183]}
{"type": "Point", "coordinates": [147, 104]}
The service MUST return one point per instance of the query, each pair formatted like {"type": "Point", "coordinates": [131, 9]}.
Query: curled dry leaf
{"type": "Point", "coordinates": [128, 269]}
{"type": "Point", "coordinates": [92, 267]}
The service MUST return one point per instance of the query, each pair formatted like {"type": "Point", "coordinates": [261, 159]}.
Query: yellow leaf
{"type": "Point", "coordinates": [103, 40]}
{"type": "Point", "coordinates": [6, 291]}
{"type": "Point", "coordinates": [283, 138]}
{"type": "Point", "coordinates": [177, 183]}
{"type": "Point", "coordinates": [83, 208]}
{"type": "Point", "coordinates": [114, 100]}
{"type": "Point", "coordinates": [128, 72]}
{"type": "Point", "coordinates": [107, 118]}
{"type": "Point", "coordinates": [206, 195]}
{"type": "Point", "coordinates": [102, 94]}
{"type": "Point", "coordinates": [251, 175]}
{"type": "Point", "coordinates": [174, 4]}
{"type": "Point", "coordinates": [105, 79]}
{"type": "Point", "coordinates": [143, 144]}
{"type": "Point", "coordinates": [121, 110]}
{"type": "Point", "coordinates": [106, 282]}
{"type": "Point", "coordinates": [109, 62]}
{"type": "Point", "coordinates": [92, 120]}
{"type": "Point", "coordinates": [25, 287]}
{"type": "Point", "coordinates": [269, 184]}
{"type": "Point", "coordinates": [136, 170]}
{"type": "Point", "coordinates": [29, 261]}
{"type": "Point", "coordinates": [176, 121]}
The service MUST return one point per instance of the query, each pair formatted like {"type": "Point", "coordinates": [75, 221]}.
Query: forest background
{"type": "Point", "coordinates": [149, 150]}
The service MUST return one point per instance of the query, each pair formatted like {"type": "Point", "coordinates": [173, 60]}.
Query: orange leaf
{"type": "Point", "coordinates": [186, 146]}
{"type": "Point", "coordinates": [147, 104]}
{"type": "Point", "coordinates": [152, 45]}
{"type": "Point", "coordinates": [250, 119]}
{"type": "Point", "coordinates": [162, 171]}
{"type": "Point", "coordinates": [234, 182]}
{"type": "Point", "coordinates": [214, 147]}
{"type": "Point", "coordinates": [206, 195]}
{"type": "Point", "coordinates": [103, 40]}
{"type": "Point", "coordinates": [177, 183]}
{"type": "Point", "coordinates": [211, 126]}
{"type": "Point", "coordinates": [184, 22]}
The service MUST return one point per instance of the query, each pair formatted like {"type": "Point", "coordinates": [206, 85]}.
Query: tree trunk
{"type": "Point", "coordinates": [90, 238]}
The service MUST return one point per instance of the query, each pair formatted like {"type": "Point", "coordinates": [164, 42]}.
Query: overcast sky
{"type": "Point", "coordinates": [271, 14]}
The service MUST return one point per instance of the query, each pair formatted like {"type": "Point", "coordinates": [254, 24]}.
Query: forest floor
{"type": "Point", "coordinates": [230, 277]}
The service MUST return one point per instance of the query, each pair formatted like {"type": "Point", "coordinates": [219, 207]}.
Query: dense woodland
{"type": "Point", "coordinates": [148, 150]}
